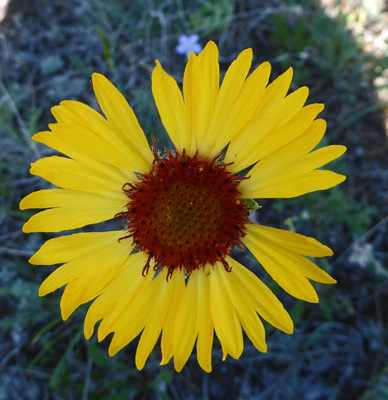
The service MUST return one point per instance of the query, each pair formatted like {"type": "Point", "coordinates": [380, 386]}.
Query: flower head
{"type": "Point", "coordinates": [169, 269]}
{"type": "Point", "coordinates": [188, 44]}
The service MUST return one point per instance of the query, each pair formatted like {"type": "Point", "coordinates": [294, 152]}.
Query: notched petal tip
{"type": "Point", "coordinates": [34, 167]}
{"type": "Point", "coordinates": [192, 57]}
{"type": "Point", "coordinates": [158, 71]}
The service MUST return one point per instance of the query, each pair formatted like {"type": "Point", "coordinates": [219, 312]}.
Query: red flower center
{"type": "Point", "coordinates": [186, 213]}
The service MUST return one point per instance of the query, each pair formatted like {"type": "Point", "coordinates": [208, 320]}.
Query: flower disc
{"type": "Point", "coordinates": [186, 213]}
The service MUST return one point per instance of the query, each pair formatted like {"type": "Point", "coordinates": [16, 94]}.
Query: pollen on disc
{"type": "Point", "coordinates": [186, 213]}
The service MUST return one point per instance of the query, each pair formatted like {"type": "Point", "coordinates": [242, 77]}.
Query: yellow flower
{"type": "Point", "coordinates": [169, 270]}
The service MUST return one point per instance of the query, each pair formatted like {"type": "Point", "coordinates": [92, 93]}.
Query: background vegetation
{"type": "Point", "coordinates": [48, 51]}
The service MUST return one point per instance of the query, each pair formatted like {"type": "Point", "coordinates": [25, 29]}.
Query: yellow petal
{"type": "Point", "coordinates": [261, 297]}
{"type": "Point", "coordinates": [290, 162]}
{"type": "Point", "coordinates": [189, 101]}
{"type": "Point", "coordinates": [186, 323]}
{"type": "Point", "coordinates": [271, 113]}
{"type": "Point", "coordinates": [70, 174]}
{"type": "Point", "coordinates": [205, 323]}
{"type": "Point", "coordinates": [169, 325]}
{"type": "Point", "coordinates": [263, 128]}
{"type": "Point", "coordinates": [97, 270]}
{"type": "Point", "coordinates": [81, 261]}
{"type": "Point", "coordinates": [200, 87]}
{"type": "Point", "coordinates": [230, 88]}
{"type": "Point", "coordinates": [247, 101]}
{"type": "Point", "coordinates": [208, 62]}
{"type": "Point", "coordinates": [168, 100]}
{"type": "Point", "coordinates": [66, 248]}
{"type": "Point", "coordinates": [302, 121]}
{"type": "Point", "coordinates": [226, 323]}
{"type": "Point", "coordinates": [253, 327]}
{"type": "Point", "coordinates": [293, 242]}
{"type": "Point", "coordinates": [135, 317]}
{"type": "Point", "coordinates": [291, 246]}
{"type": "Point", "coordinates": [75, 209]}
{"type": "Point", "coordinates": [122, 289]}
{"type": "Point", "coordinates": [121, 132]}
{"type": "Point", "coordinates": [244, 306]}
{"type": "Point", "coordinates": [73, 198]}
{"type": "Point", "coordinates": [122, 120]}
{"type": "Point", "coordinates": [65, 218]}
{"type": "Point", "coordinates": [318, 158]}
{"type": "Point", "coordinates": [276, 263]}
{"type": "Point", "coordinates": [81, 115]}
{"type": "Point", "coordinates": [299, 185]}
{"type": "Point", "coordinates": [123, 298]}
{"type": "Point", "coordinates": [52, 140]}
{"type": "Point", "coordinates": [88, 144]}
{"type": "Point", "coordinates": [160, 311]}
{"type": "Point", "coordinates": [281, 162]}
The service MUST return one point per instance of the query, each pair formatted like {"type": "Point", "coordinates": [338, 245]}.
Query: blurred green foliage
{"type": "Point", "coordinates": [211, 16]}
{"type": "Point", "coordinates": [355, 217]}
{"type": "Point", "coordinates": [310, 41]}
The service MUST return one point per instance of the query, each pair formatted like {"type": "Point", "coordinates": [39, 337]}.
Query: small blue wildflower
{"type": "Point", "coordinates": [187, 44]}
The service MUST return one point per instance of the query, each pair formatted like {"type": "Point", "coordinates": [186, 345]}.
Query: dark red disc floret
{"type": "Point", "coordinates": [186, 213]}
